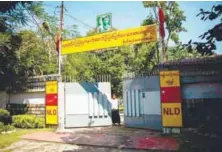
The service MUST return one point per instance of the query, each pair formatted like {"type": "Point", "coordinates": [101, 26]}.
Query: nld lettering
{"type": "Point", "coordinates": [51, 112]}
{"type": "Point", "coordinates": [171, 111]}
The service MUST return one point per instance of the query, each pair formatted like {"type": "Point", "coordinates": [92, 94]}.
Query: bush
{"type": "Point", "coordinates": [5, 116]}
{"type": "Point", "coordinates": [6, 127]}
{"type": "Point", "coordinates": [4, 112]}
{"type": "Point", "coordinates": [28, 121]}
{"type": "Point", "coordinates": [1, 127]}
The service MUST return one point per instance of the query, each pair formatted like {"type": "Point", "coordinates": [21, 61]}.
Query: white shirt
{"type": "Point", "coordinates": [114, 104]}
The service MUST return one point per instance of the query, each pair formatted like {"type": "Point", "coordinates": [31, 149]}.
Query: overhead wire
{"type": "Point", "coordinates": [86, 25]}
{"type": "Point", "coordinates": [78, 20]}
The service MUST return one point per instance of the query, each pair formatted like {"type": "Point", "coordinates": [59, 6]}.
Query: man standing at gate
{"type": "Point", "coordinates": [115, 111]}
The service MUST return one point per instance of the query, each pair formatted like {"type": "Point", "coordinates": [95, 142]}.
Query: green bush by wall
{"type": "Point", "coordinates": [28, 121]}
{"type": "Point", "coordinates": [5, 128]}
{"type": "Point", "coordinates": [5, 117]}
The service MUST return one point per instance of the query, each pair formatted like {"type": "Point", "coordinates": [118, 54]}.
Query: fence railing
{"type": "Point", "coordinates": [37, 83]}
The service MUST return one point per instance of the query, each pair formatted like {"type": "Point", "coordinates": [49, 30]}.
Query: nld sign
{"type": "Point", "coordinates": [51, 115]}
{"type": "Point", "coordinates": [171, 99]}
{"type": "Point", "coordinates": [172, 114]}
{"type": "Point", "coordinates": [51, 102]}
{"type": "Point", "coordinates": [171, 111]}
{"type": "Point", "coordinates": [51, 111]}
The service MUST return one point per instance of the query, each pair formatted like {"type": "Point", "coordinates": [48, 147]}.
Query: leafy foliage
{"type": "Point", "coordinates": [12, 14]}
{"type": "Point", "coordinates": [34, 58]}
{"type": "Point", "coordinates": [25, 53]}
{"type": "Point", "coordinates": [149, 20]}
{"type": "Point", "coordinates": [4, 112]}
{"type": "Point", "coordinates": [210, 36]}
{"type": "Point", "coordinates": [5, 117]}
{"type": "Point", "coordinates": [28, 121]}
{"type": "Point", "coordinates": [174, 18]}
{"type": "Point", "coordinates": [176, 53]}
{"type": "Point", "coordinates": [5, 128]}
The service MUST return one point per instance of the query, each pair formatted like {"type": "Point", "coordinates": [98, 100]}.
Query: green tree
{"type": "Point", "coordinates": [11, 16]}
{"type": "Point", "coordinates": [210, 37]}
{"type": "Point", "coordinates": [149, 20]}
{"type": "Point", "coordinates": [174, 18]}
{"type": "Point", "coordinates": [33, 57]}
{"type": "Point", "coordinates": [176, 53]}
{"type": "Point", "coordinates": [23, 53]}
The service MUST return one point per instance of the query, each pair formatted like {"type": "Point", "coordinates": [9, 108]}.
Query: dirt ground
{"type": "Point", "coordinates": [33, 146]}
{"type": "Point", "coordinates": [116, 130]}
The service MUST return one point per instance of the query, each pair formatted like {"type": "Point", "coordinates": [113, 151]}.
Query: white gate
{"type": "Point", "coordinates": [85, 104]}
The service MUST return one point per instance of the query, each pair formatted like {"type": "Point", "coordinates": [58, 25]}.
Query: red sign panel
{"type": "Point", "coordinates": [51, 100]}
{"type": "Point", "coordinates": [170, 95]}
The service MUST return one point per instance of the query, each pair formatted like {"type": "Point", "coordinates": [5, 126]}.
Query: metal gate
{"type": "Point", "coordinates": [85, 104]}
{"type": "Point", "coordinates": [142, 102]}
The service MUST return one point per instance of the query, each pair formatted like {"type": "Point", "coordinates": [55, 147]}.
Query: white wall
{"type": "Point", "coordinates": [28, 98]}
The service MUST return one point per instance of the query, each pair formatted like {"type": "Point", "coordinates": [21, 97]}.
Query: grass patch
{"type": "Point", "coordinates": [8, 139]}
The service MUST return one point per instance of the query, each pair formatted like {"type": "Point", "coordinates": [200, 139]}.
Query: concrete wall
{"type": "Point", "coordinates": [27, 103]}
{"type": "Point", "coordinates": [28, 98]}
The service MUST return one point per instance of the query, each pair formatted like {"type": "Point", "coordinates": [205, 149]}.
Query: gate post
{"type": "Point", "coordinates": [61, 106]}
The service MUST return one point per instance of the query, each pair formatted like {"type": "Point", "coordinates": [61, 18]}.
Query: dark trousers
{"type": "Point", "coordinates": [115, 116]}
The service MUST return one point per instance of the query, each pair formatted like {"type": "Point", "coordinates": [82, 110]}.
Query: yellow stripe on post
{"type": "Point", "coordinates": [51, 87]}
{"type": "Point", "coordinates": [172, 115]}
{"type": "Point", "coordinates": [51, 115]}
{"type": "Point", "coordinates": [169, 79]}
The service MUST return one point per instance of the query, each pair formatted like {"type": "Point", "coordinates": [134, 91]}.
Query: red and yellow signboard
{"type": "Point", "coordinates": [171, 99]}
{"type": "Point", "coordinates": [51, 102]}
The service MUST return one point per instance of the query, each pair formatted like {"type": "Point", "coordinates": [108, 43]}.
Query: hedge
{"type": "Point", "coordinates": [5, 128]}
{"type": "Point", "coordinates": [28, 121]}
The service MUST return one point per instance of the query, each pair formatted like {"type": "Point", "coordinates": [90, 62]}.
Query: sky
{"type": "Point", "coordinates": [131, 14]}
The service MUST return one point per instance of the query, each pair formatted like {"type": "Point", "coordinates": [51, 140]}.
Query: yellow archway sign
{"type": "Point", "coordinates": [110, 39]}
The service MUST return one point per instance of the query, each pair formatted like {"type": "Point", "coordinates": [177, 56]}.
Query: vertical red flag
{"type": "Point", "coordinates": [58, 38]}
{"type": "Point", "coordinates": [161, 23]}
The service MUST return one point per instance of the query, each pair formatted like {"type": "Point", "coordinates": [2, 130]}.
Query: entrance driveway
{"type": "Point", "coordinates": [100, 139]}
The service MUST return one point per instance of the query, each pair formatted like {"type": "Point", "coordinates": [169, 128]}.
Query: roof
{"type": "Point", "coordinates": [205, 60]}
